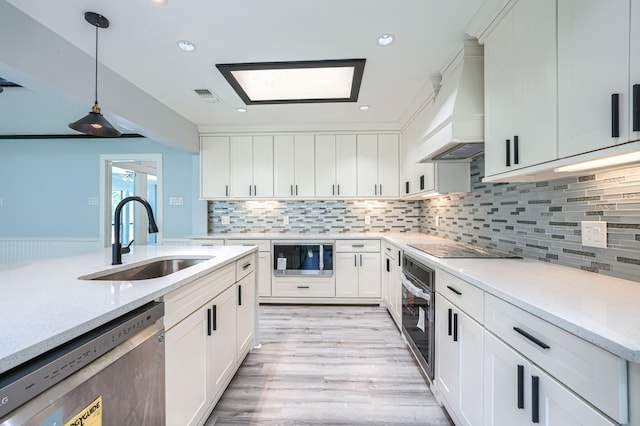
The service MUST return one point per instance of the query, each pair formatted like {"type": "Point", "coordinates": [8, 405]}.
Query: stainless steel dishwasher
{"type": "Point", "coordinates": [113, 375]}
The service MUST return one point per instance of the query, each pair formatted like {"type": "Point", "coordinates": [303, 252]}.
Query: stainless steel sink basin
{"type": "Point", "coordinates": [156, 269]}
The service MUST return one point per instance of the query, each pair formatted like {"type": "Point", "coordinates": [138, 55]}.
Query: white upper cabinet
{"type": "Point", "coordinates": [214, 166]}
{"type": "Point", "coordinates": [252, 166]}
{"type": "Point", "coordinates": [377, 165]}
{"type": "Point", "coordinates": [335, 162]}
{"type": "Point", "coordinates": [520, 88]}
{"type": "Point", "coordinates": [593, 70]}
{"type": "Point", "coordinates": [294, 166]}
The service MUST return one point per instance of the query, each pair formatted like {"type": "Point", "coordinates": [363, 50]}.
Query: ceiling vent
{"type": "Point", "coordinates": [208, 96]}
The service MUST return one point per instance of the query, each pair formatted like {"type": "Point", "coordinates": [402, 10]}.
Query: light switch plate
{"type": "Point", "coordinates": [93, 201]}
{"type": "Point", "coordinates": [225, 220]}
{"type": "Point", "coordinates": [176, 201]}
{"type": "Point", "coordinates": [594, 234]}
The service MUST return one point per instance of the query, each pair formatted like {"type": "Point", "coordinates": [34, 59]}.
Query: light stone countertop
{"type": "Point", "coordinates": [598, 308]}
{"type": "Point", "coordinates": [43, 303]}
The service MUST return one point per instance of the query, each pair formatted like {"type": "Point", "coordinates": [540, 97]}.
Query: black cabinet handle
{"type": "Point", "coordinates": [226, 190]}
{"type": "Point", "coordinates": [455, 327]}
{"type": "Point", "coordinates": [360, 260]}
{"type": "Point", "coordinates": [449, 323]}
{"type": "Point", "coordinates": [355, 260]}
{"type": "Point", "coordinates": [388, 266]}
{"type": "Point", "coordinates": [406, 187]}
{"type": "Point", "coordinates": [239, 295]}
{"type": "Point", "coordinates": [214, 318]}
{"type": "Point", "coordinates": [615, 115]}
{"type": "Point", "coordinates": [508, 152]}
{"type": "Point", "coordinates": [381, 190]}
{"type": "Point", "coordinates": [421, 182]}
{"type": "Point", "coordinates": [249, 190]}
{"type": "Point", "coordinates": [255, 191]}
{"type": "Point", "coordinates": [532, 338]}
{"type": "Point", "coordinates": [636, 107]}
{"type": "Point", "coordinates": [296, 190]}
{"type": "Point", "coordinates": [521, 387]}
{"type": "Point", "coordinates": [291, 189]}
{"type": "Point", "coordinates": [338, 189]}
{"type": "Point", "coordinates": [535, 399]}
{"type": "Point", "coordinates": [456, 291]}
{"type": "Point", "coordinates": [208, 322]}
{"type": "Point", "coordinates": [333, 189]}
{"type": "Point", "coordinates": [303, 286]}
{"type": "Point", "coordinates": [375, 188]}
{"type": "Point", "coordinates": [399, 258]}
{"type": "Point", "coordinates": [515, 150]}
{"type": "Point", "coordinates": [246, 266]}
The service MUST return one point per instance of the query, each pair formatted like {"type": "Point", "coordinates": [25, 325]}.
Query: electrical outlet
{"type": "Point", "coordinates": [176, 201]}
{"type": "Point", "coordinates": [225, 220]}
{"type": "Point", "coordinates": [437, 220]}
{"type": "Point", "coordinates": [367, 220]}
{"type": "Point", "coordinates": [285, 219]}
{"type": "Point", "coordinates": [594, 234]}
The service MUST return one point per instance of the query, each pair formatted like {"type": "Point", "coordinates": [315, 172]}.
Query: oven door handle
{"type": "Point", "coordinates": [413, 289]}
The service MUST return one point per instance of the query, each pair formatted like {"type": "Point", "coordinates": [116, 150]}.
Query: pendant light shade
{"type": "Point", "coordinates": [94, 123]}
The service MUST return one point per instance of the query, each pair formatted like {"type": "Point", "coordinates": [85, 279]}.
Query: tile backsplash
{"type": "Point", "coordinates": [541, 220]}
{"type": "Point", "coordinates": [315, 216]}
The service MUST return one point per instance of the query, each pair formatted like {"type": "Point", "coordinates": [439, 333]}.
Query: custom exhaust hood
{"type": "Point", "coordinates": [457, 129]}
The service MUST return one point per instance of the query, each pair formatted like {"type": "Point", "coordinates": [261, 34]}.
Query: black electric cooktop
{"type": "Point", "coordinates": [460, 250]}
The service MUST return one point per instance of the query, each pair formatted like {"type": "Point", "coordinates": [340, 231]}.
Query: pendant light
{"type": "Point", "coordinates": [94, 123]}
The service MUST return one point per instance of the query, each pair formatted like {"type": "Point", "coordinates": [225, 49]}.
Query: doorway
{"type": "Point", "coordinates": [124, 175]}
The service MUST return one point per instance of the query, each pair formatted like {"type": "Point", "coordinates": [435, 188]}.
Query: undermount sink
{"type": "Point", "coordinates": [156, 269]}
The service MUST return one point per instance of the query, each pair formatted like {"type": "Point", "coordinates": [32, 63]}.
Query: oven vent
{"type": "Point", "coordinates": [208, 96]}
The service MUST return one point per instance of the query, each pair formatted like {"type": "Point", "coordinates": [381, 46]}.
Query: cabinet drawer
{"type": "Point", "coordinates": [357, 245]}
{"type": "Point", "coordinates": [206, 242]}
{"type": "Point", "coordinates": [182, 302]}
{"type": "Point", "coordinates": [303, 288]}
{"type": "Point", "coordinates": [595, 374]}
{"type": "Point", "coordinates": [465, 296]}
{"type": "Point", "coordinates": [263, 245]}
{"type": "Point", "coordinates": [390, 250]}
{"type": "Point", "coordinates": [245, 266]}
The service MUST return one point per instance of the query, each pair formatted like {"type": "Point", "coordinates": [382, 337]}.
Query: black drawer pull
{"type": "Point", "coordinates": [532, 338]}
{"type": "Point", "coordinates": [214, 318]}
{"type": "Point", "coordinates": [450, 322]}
{"type": "Point", "coordinates": [456, 291]}
{"type": "Point", "coordinates": [615, 115]}
{"type": "Point", "coordinates": [303, 286]}
{"type": "Point", "coordinates": [515, 150]}
{"type": "Point", "coordinates": [535, 399]}
{"type": "Point", "coordinates": [239, 295]}
{"type": "Point", "coordinates": [208, 322]}
{"type": "Point", "coordinates": [508, 152]}
{"type": "Point", "coordinates": [246, 266]}
{"type": "Point", "coordinates": [636, 107]}
{"type": "Point", "coordinates": [455, 327]}
{"type": "Point", "coordinates": [521, 387]}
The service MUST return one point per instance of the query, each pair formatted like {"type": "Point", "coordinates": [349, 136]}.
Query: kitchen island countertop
{"type": "Point", "coordinates": [44, 304]}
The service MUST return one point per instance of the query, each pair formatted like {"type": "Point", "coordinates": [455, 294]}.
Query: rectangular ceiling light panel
{"type": "Point", "coordinates": [296, 82]}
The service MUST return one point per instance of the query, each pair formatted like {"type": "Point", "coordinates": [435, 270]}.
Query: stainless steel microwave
{"type": "Point", "coordinates": [295, 259]}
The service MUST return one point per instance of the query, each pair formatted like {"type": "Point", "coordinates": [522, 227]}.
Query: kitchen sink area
{"type": "Point", "coordinates": [155, 269]}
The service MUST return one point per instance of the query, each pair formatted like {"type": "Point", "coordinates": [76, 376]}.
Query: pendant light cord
{"type": "Point", "coordinates": [96, 85]}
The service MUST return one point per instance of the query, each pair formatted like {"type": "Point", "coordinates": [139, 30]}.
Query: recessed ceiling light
{"type": "Point", "coordinates": [364, 107]}
{"type": "Point", "coordinates": [241, 109]}
{"type": "Point", "coordinates": [295, 82]}
{"type": "Point", "coordinates": [186, 45]}
{"type": "Point", "coordinates": [161, 1]}
{"type": "Point", "coordinates": [385, 39]}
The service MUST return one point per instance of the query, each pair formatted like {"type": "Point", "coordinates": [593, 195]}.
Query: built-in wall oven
{"type": "Point", "coordinates": [418, 314]}
{"type": "Point", "coordinates": [302, 259]}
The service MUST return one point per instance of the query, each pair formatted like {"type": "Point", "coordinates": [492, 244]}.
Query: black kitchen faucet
{"type": "Point", "coordinates": [116, 248]}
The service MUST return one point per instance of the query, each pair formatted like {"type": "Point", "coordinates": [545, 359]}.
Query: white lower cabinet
{"type": "Point", "coordinates": [517, 392]}
{"type": "Point", "coordinates": [458, 364]}
{"type": "Point", "coordinates": [208, 333]}
{"type": "Point", "coordinates": [358, 272]}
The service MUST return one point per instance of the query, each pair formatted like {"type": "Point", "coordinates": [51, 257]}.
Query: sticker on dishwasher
{"type": "Point", "coordinates": [91, 415]}
{"type": "Point", "coordinates": [282, 264]}
{"type": "Point", "coordinates": [420, 324]}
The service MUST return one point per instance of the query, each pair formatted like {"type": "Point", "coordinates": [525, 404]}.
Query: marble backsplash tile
{"type": "Point", "coordinates": [541, 220]}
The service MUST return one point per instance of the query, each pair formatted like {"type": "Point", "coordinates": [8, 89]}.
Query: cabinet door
{"type": "Point", "coordinates": [346, 265]}
{"type": "Point", "coordinates": [387, 281]}
{"type": "Point", "coordinates": [499, 80]}
{"type": "Point", "coordinates": [187, 398]}
{"type": "Point", "coordinates": [369, 283]}
{"type": "Point", "coordinates": [214, 165]}
{"type": "Point", "coordinates": [558, 406]}
{"type": "Point", "coordinates": [222, 343]}
{"type": "Point", "coordinates": [283, 166]}
{"type": "Point", "coordinates": [346, 166]}
{"type": "Point", "coordinates": [502, 386]}
{"type": "Point", "coordinates": [241, 166]}
{"type": "Point", "coordinates": [367, 165]}
{"type": "Point", "coordinates": [470, 400]}
{"type": "Point", "coordinates": [264, 274]}
{"type": "Point", "coordinates": [245, 310]}
{"type": "Point", "coordinates": [447, 353]}
{"type": "Point", "coordinates": [593, 64]}
{"type": "Point", "coordinates": [388, 165]}
{"type": "Point", "coordinates": [263, 166]}
{"type": "Point", "coordinates": [325, 160]}
{"type": "Point", "coordinates": [304, 166]}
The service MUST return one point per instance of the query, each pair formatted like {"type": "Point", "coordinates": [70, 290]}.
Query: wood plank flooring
{"type": "Point", "coordinates": [328, 365]}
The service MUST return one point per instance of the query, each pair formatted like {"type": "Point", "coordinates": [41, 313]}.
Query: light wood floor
{"type": "Point", "coordinates": [328, 365]}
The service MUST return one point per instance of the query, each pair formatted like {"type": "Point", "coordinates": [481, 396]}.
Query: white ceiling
{"type": "Point", "coordinates": [141, 46]}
